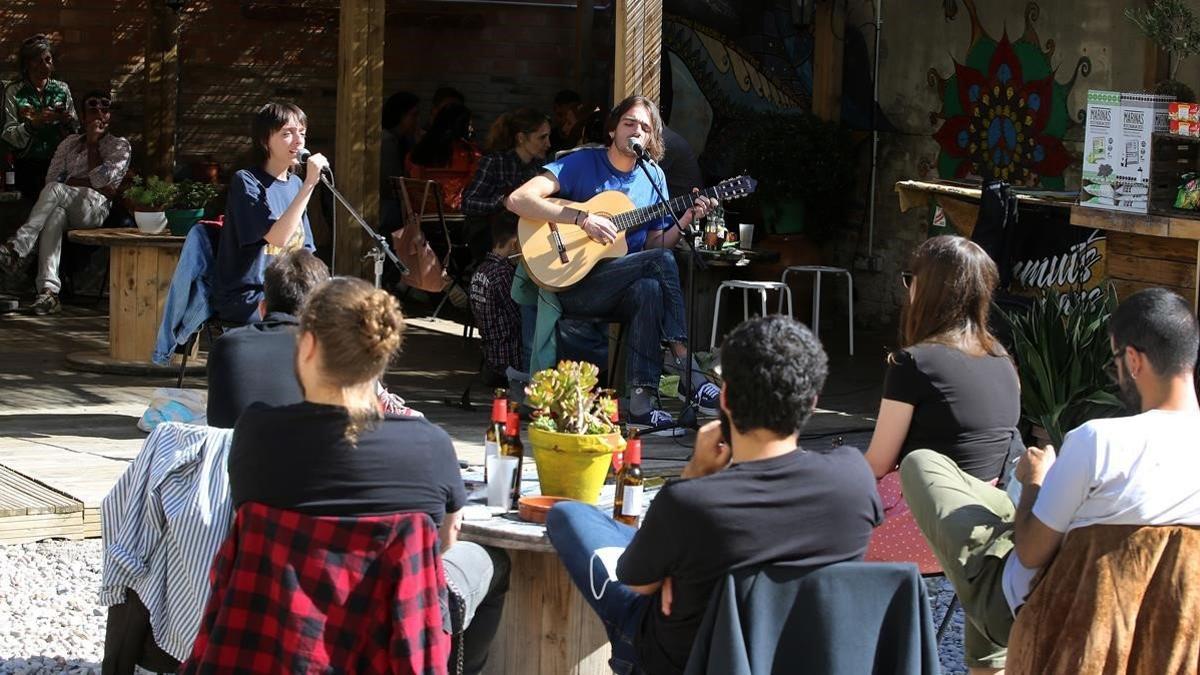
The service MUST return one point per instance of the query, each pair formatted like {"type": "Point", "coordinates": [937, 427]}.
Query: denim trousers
{"type": "Point", "coordinates": [577, 531]}
{"type": "Point", "coordinates": [479, 576]}
{"type": "Point", "coordinates": [642, 291]}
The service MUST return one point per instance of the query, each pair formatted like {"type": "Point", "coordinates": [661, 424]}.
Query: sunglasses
{"type": "Point", "coordinates": [98, 104]}
{"type": "Point", "coordinates": [906, 278]}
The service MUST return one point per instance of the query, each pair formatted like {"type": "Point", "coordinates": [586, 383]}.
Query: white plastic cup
{"type": "Point", "coordinates": [502, 471]}
{"type": "Point", "coordinates": [745, 235]}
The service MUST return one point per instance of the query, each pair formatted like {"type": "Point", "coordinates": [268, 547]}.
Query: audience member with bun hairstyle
{"type": "Point", "coordinates": [336, 454]}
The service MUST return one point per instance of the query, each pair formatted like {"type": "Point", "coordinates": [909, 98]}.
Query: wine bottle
{"type": "Point", "coordinates": [627, 507]}
{"type": "Point", "coordinates": [511, 447]}
{"type": "Point", "coordinates": [10, 173]}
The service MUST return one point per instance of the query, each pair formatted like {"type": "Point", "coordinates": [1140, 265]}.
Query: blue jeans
{"type": "Point", "coordinates": [641, 290]}
{"type": "Point", "coordinates": [577, 530]}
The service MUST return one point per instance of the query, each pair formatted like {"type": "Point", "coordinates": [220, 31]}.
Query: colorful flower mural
{"type": "Point", "coordinates": [1003, 112]}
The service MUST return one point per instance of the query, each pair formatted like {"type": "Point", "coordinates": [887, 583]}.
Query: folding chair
{"type": "Point", "coordinates": [423, 199]}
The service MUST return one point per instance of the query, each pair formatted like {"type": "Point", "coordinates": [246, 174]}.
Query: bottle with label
{"type": "Point", "coordinates": [511, 446]}
{"type": "Point", "coordinates": [627, 507]}
{"type": "Point", "coordinates": [10, 173]}
{"type": "Point", "coordinates": [495, 431]}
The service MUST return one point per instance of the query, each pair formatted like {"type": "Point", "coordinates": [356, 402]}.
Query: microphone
{"type": "Point", "coordinates": [637, 148]}
{"type": "Point", "coordinates": [303, 156]}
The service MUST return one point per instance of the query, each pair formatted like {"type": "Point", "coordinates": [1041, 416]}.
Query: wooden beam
{"type": "Point", "coordinates": [829, 22]}
{"type": "Point", "coordinates": [637, 57]}
{"type": "Point", "coordinates": [162, 89]}
{"type": "Point", "coordinates": [584, 18]}
{"type": "Point", "coordinates": [359, 107]}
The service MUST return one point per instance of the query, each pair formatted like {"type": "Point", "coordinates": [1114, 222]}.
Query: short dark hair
{"type": "Point", "coordinates": [92, 93]}
{"type": "Point", "coordinates": [290, 278]}
{"type": "Point", "coordinates": [269, 119]}
{"type": "Point", "coordinates": [443, 94]}
{"type": "Point", "coordinates": [773, 368]}
{"type": "Point", "coordinates": [397, 106]}
{"type": "Point", "coordinates": [1159, 324]}
{"type": "Point", "coordinates": [503, 229]}
{"type": "Point", "coordinates": [567, 96]}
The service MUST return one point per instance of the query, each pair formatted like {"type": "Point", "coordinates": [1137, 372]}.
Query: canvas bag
{"type": "Point", "coordinates": [425, 271]}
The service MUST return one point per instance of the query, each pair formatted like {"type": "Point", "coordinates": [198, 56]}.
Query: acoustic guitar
{"type": "Point", "coordinates": [560, 255]}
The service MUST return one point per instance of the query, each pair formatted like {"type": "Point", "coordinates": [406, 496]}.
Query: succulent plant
{"type": "Point", "coordinates": [567, 400]}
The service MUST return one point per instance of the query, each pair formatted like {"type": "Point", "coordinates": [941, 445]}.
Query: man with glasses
{"type": "Point", "coordinates": [84, 176]}
{"type": "Point", "coordinates": [1137, 470]}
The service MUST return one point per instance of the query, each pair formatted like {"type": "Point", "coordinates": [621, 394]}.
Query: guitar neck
{"type": "Point", "coordinates": [638, 217]}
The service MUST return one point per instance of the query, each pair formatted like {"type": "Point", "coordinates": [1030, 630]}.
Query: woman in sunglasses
{"type": "Point", "coordinates": [951, 387]}
{"type": "Point", "coordinates": [38, 114]}
{"type": "Point", "coordinates": [83, 177]}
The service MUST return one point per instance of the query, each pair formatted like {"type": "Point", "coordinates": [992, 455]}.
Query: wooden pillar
{"type": "Point", "coordinates": [359, 107]}
{"type": "Point", "coordinates": [828, 23]}
{"type": "Point", "coordinates": [638, 53]}
{"type": "Point", "coordinates": [584, 15]}
{"type": "Point", "coordinates": [162, 89]}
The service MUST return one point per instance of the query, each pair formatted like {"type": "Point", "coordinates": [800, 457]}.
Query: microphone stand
{"type": "Point", "coordinates": [381, 249]}
{"type": "Point", "coordinates": [694, 260]}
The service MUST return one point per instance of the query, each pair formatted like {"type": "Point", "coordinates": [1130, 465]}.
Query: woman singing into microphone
{"type": "Point", "coordinates": [266, 211]}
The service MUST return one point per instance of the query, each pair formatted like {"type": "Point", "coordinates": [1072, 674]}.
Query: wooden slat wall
{"type": "Point", "coordinates": [1137, 261]}
{"type": "Point", "coordinates": [637, 57]}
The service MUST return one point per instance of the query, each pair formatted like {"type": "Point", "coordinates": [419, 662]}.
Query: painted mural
{"type": "Point", "coordinates": [1004, 116]}
{"type": "Point", "coordinates": [1004, 113]}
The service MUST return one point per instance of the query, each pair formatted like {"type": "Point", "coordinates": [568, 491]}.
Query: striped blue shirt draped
{"type": "Point", "coordinates": [162, 524]}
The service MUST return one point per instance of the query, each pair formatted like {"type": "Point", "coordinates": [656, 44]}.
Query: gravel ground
{"type": "Point", "coordinates": [50, 621]}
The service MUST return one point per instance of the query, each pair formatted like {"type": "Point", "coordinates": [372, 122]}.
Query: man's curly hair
{"type": "Point", "coordinates": [773, 368]}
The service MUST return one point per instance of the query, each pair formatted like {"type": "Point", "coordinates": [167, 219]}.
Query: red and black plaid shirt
{"type": "Point", "coordinates": [293, 593]}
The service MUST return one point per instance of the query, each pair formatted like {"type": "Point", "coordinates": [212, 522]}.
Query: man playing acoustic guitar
{"type": "Point", "coordinates": [641, 288]}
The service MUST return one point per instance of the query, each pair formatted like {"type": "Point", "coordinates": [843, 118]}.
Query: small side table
{"type": "Point", "coordinates": [139, 274]}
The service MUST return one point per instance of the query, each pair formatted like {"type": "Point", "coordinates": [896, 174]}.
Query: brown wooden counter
{"type": "Point", "coordinates": [1147, 250]}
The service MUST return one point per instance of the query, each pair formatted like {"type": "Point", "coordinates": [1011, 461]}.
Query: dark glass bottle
{"type": "Point", "coordinates": [495, 430]}
{"type": "Point", "coordinates": [511, 447]}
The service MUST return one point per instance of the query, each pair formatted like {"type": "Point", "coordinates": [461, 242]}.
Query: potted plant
{"type": "Point", "coordinates": [1062, 352]}
{"type": "Point", "coordinates": [149, 199]}
{"type": "Point", "coordinates": [572, 433]}
{"type": "Point", "coordinates": [191, 200]}
{"type": "Point", "coordinates": [805, 170]}
{"type": "Point", "coordinates": [1172, 26]}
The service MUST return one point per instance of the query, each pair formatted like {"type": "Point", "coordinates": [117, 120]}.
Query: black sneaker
{"type": "Point", "coordinates": [46, 303]}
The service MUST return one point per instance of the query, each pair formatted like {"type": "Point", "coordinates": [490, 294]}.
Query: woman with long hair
{"type": "Point", "coordinates": [951, 387]}
{"type": "Point", "coordinates": [266, 212]}
{"type": "Point", "coordinates": [445, 154]}
{"type": "Point", "coordinates": [517, 145]}
{"type": "Point", "coordinates": [38, 114]}
{"type": "Point", "coordinates": [337, 454]}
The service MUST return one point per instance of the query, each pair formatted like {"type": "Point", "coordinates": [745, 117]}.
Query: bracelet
{"type": "Point", "coordinates": [579, 213]}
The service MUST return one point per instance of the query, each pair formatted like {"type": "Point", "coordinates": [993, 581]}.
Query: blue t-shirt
{"type": "Point", "coordinates": [256, 200]}
{"type": "Point", "coordinates": [587, 172]}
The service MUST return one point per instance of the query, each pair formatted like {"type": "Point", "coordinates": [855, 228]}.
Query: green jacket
{"type": "Point", "coordinates": [27, 141]}
{"type": "Point", "coordinates": [544, 350]}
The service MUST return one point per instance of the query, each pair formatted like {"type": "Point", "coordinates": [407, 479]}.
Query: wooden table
{"type": "Point", "coordinates": [547, 628]}
{"type": "Point", "coordinates": [1147, 250]}
{"type": "Point", "coordinates": [139, 274]}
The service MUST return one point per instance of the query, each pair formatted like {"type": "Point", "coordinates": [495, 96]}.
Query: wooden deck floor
{"type": "Point", "coordinates": [66, 436]}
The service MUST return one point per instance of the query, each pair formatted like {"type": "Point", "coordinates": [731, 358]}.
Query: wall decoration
{"type": "Point", "coordinates": [1003, 112]}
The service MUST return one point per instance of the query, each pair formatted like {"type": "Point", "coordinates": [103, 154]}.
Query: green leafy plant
{"type": "Point", "coordinates": [797, 157]}
{"type": "Point", "coordinates": [567, 400]}
{"type": "Point", "coordinates": [194, 194]}
{"type": "Point", "coordinates": [1173, 26]}
{"type": "Point", "coordinates": [1062, 351]}
{"type": "Point", "coordinates": [151, 194]}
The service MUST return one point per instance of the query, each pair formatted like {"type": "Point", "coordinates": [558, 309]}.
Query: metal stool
{"type": "Point", "coordinates": [746, 286]}
{"type": "Point", "coordinates": [817, 271]}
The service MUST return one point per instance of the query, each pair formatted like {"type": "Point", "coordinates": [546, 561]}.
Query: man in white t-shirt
{"type": "Point", "coordinates": [1137, 470]}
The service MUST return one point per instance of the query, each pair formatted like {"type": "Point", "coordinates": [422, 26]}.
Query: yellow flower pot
{"type": "Point", "coordinates": [573, 465]}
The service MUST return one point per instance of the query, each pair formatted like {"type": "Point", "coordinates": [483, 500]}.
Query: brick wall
{"type": "Point", "coordinates": [233, 60]}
